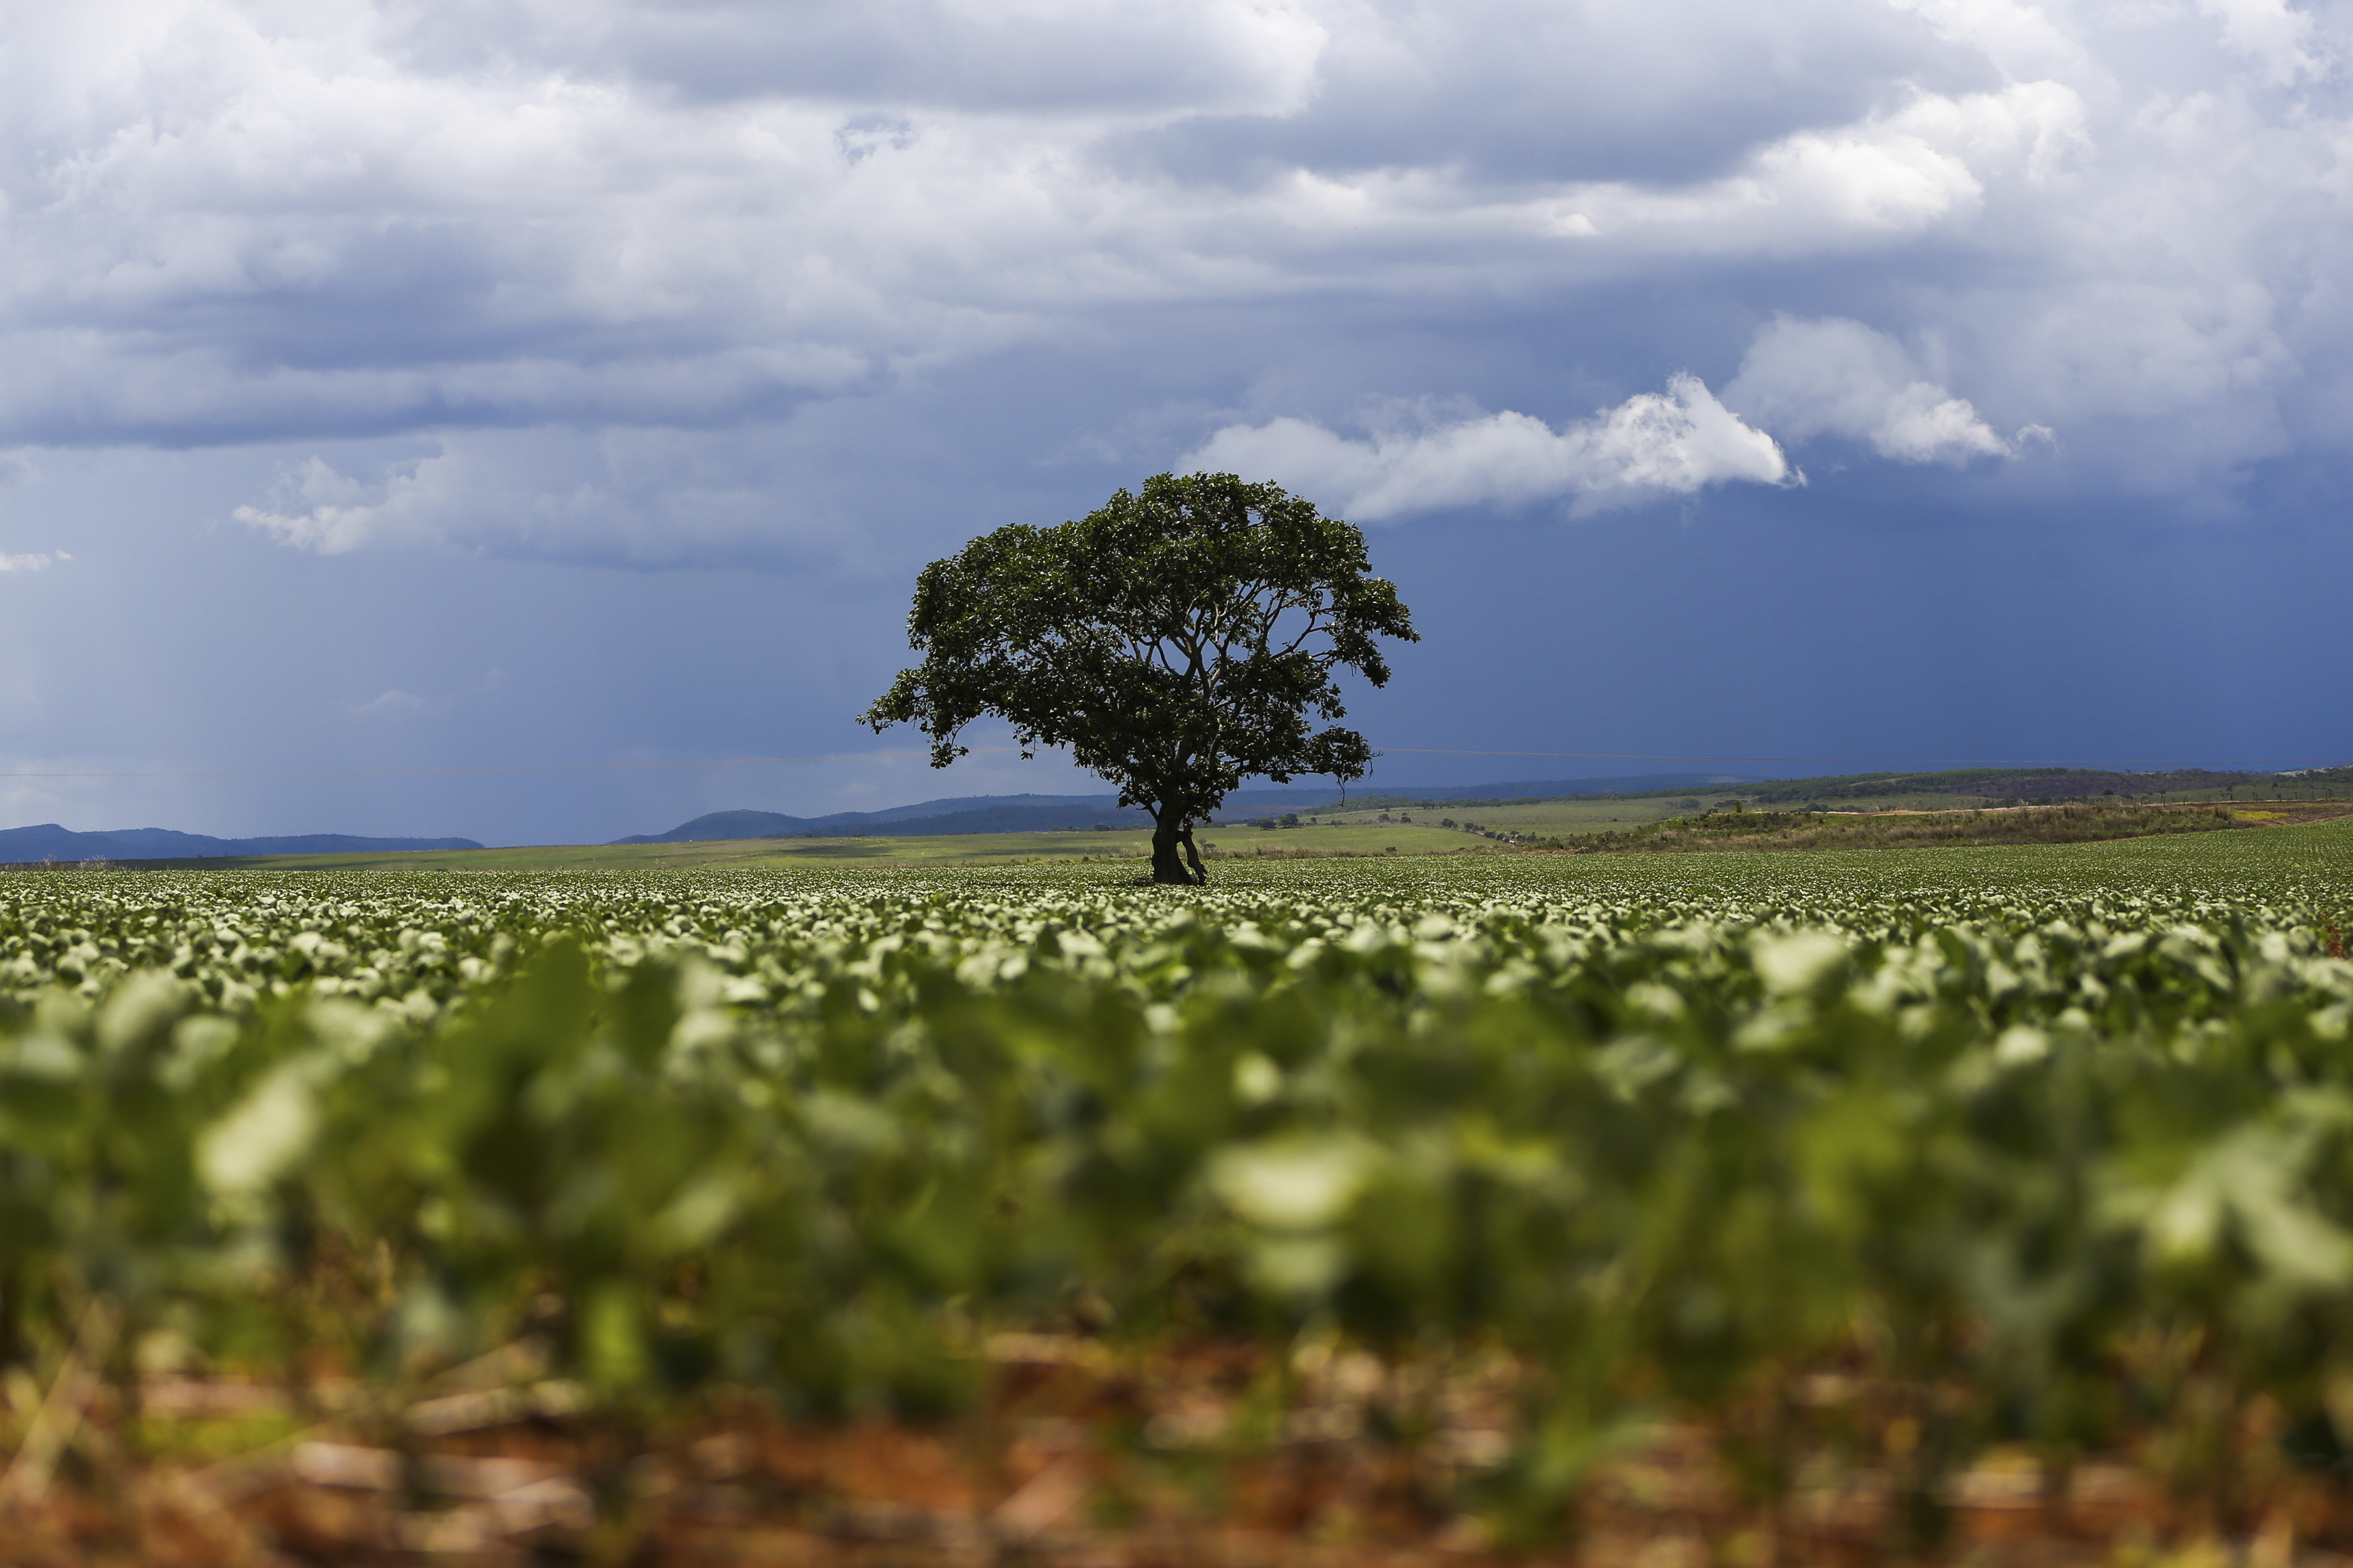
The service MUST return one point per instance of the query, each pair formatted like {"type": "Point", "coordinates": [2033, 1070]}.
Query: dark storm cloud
{"type": "Point", "coordinates": [1018, 55]}
{"type": "Point", "coordinates": [259, 224]}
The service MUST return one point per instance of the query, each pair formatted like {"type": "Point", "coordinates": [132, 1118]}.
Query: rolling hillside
{"type": "Point", "coordinates": [48, 841]}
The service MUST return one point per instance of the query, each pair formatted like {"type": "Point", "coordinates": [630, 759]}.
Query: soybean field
{"type": "Point", "coordinates": [1929, 1205]}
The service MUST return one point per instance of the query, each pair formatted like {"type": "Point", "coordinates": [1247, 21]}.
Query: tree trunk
{"type": "Point", "coordinates": [1170, 835]}
{"type": "Point", "coordinates": [1193, 856]}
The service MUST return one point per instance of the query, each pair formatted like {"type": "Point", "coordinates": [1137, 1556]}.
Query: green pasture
{"type": "Point", "coordinates": [1539, 819]}
{"type": "Point", "coordinates": [1393, 829]}
{"type": "Point", "coordinates": [969, 849]}
{"type": "Point", "coordinates": [1570, 816]}
{"type": "Point", "coordinates": [964, 848]}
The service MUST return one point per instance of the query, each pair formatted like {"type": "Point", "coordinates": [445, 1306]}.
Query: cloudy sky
{"type": "Point", "coordinates": [515, 383]}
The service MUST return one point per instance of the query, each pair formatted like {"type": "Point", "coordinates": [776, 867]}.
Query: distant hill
{"type": "Point", "coordinates": [720, 825]}
{"type": "Point", "coordinates": [24, 845]}
{"type": "Point", "coordinates": [1050, 813]}
{"type": "Point", "coordinates": [1044, 813]}
{"type": "Point", "coordinates": [1540, 789]}
{"type": "Point", "coordinates": [929, 819]}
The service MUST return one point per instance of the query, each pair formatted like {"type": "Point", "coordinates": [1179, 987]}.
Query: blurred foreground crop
{"type": "Point", "coordinates": [1711, 1208]}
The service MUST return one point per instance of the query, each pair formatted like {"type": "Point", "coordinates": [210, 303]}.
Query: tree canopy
{"type": "Point", "coordinates": [1178, 641]}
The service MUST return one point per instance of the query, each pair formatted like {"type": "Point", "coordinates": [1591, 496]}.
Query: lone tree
{"type": "Point", "coordinates": [1177, 641]}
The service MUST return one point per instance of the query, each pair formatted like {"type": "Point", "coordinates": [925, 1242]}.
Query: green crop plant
{"type": "Point", "coordinates": [2049, 1148]}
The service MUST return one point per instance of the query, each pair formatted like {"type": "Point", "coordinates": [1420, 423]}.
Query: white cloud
{"type": "Point", "coordinates": [1139, 57]}
{"type": "Point", "coordinates": [2020, 37]}
{"type": "Point", "coordinates": [392, 704]}
{"type": "Point", "coordinates": [231, 222]}
{"type": "Point", "coordinates": [1838, 377]}
{"type": "Point", "coordinates": [2269, 33]}
{"type": "Point", "coordinates": [33, 562]}
{"type": "Point", "coordinates": [328, 511]}
{"type": "Point", "coordinates": [614, 496]}
{"type": "Point", "coordinates": [1648, 447]}
{"type": "Point", "coordinates": [1860, 185]}
{"type": "Point", "coordinates": [245, 221]}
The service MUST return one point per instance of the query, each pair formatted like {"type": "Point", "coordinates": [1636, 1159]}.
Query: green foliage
{"type": "Point", "coordinates": [2058, 1135]}
{"type": "Point", "coordinates": [1178, 641]}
